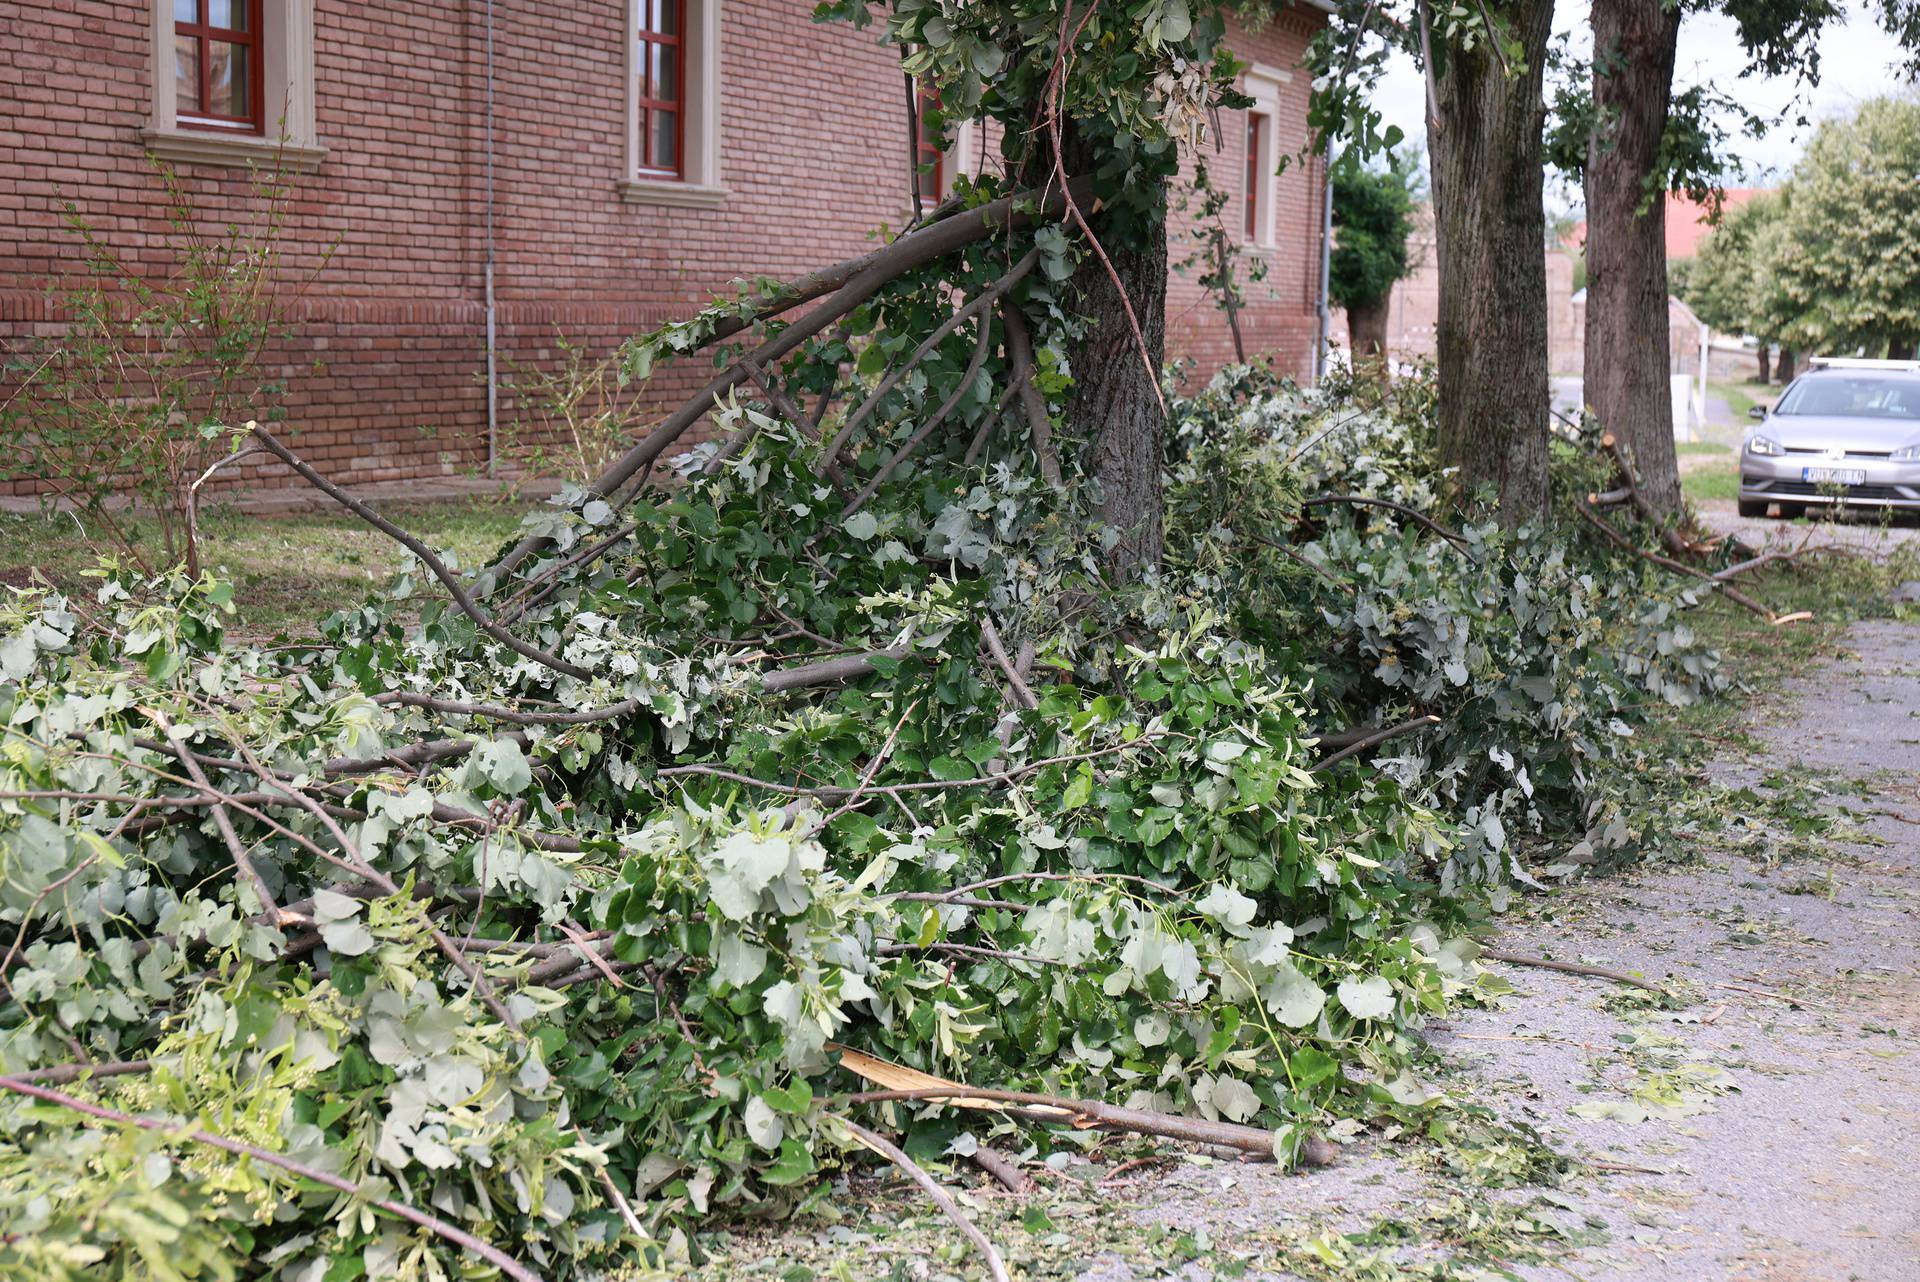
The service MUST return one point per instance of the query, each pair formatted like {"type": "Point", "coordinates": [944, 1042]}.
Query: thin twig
{"type": "Point", "coordinates": [434, 564]}
{"type": "Point", "coordinates": [1418, 518]}
{"type": "Point", "coordinates": [1571, 968]}
{"type": "Point", "coordinates": [996, 1267]}
{"type": "Point", "coordinates": [1369, 740]}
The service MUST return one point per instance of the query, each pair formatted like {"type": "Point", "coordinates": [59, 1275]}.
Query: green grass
{"type": "Point", "coordinates": [1686, 448]}
{"type": "Point", "coordinates": [288, 571]}
{"type": "Point", "coordinates": [1742, 396]}
{"type": "Point", "coordinates": [1703, 483]}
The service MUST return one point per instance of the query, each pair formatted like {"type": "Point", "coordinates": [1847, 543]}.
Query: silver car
{"type": "Point", "coordinates": [1846, 432]}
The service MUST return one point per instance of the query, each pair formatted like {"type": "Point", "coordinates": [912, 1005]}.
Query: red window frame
{"type": "Point", "coordinates": [930, 173]}
{"type": "Point", "coordinates": [197, 114]}
{"type": "Point", "coordinates": [650, 33]}
{"type": "Point", "coordinates": [1256, 127]}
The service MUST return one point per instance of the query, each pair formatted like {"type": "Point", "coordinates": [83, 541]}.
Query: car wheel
{"type": "Point", "coordinates": [1753, 509]}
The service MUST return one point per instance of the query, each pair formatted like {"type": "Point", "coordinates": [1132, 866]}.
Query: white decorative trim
{"type": "Point", "coordinates": [1262, 84]}
{"type": "Point", "coordinates": [700, 165]}
{"type": "Point", "coordinates": [287, 82]}
{"type": "Point", "coordinates": [206, 148]}
{"type": "Point", "coordinates": [666, 191]}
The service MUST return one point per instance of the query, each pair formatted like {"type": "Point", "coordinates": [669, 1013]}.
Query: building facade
{"type": "Point", "coordinates": [488, 176]}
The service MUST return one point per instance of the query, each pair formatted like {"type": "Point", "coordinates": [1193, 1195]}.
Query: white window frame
{"type": "Point", "coordinates": [1262, 84]}
{"type": "Point", "coordinates": [291, 142]}
{"type": "Point", "coordinates": [699, 185]}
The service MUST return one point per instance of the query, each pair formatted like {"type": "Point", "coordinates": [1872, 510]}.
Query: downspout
{"type": "Point", "coordinates": [493, 379]}
{"type": "Point", "coordinates": [1325, 315]}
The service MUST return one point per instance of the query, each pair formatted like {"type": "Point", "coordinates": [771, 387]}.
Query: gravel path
{"type": "Point", "coordinates": [1779, 1109]}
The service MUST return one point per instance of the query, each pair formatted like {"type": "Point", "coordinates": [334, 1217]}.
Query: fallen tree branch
{"type": "Point", "coordinates": [434, 564]}
{"type": "Point", "coordinates": [239, 1148]}
{"type": "Point", "coordinates": [222, 821]}
{"type": "Point", "coordinates": [851, 284]}
{"type": "Point", "coordinates": [515, 716]}
{"type": "Point", "coordinates": [836, 792]}
{"type": "Point", "coordinates": [902, 1084]}
{"type": "Point", "coordinates": [1360, 741]}
{"type": "Point", "coordinates": [996, 1267]}
{"type": "Point", "coordinates": [1001, 1167]}
{"type": "Point", "coordinates": [980, 348]}
{"type": "Point", "coordinates": [975, 306]}
{"type": "Point", "coordinates": [1021, 690]}
{"type": "Point", "coordinates": [1571, 968]}
{"type": "Point", "coordinates": [1033, 402]}
{"type": "Point", "coordinates": [1732, 594]}
{"type": "Point", "coordinates": [1418, 518]}
{"type": "Point", "coordinates": [828, 671]}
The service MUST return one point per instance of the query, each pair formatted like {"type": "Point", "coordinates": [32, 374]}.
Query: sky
{"type": "Point", "coordinates": [1856, 63]}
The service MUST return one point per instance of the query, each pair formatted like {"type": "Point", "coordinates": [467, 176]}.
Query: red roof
{"type": "Point", "coordinates": [1687, 221]}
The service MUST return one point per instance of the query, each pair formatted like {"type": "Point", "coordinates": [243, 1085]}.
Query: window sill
{"type": "Point", "coordinates": [653, 191]}
{"type": "Point", "coordinates": [196, 148]}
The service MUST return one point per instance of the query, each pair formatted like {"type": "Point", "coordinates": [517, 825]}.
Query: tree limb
{"type": "Point", "coordinates": [996, 1267]}
{"type": "Point", "coordinates": [447, 578]}
{"type": "Point", "coordinates": [974, 306]}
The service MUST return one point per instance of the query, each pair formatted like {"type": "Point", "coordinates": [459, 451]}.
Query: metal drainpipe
{"type": "Point", "coordinates": [493, 380]}
{"type": "Point", "coordinates": [1325, 317]}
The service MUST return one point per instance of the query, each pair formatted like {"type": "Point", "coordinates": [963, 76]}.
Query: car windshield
{"type": "Point", "coordinates": [1853, 397]}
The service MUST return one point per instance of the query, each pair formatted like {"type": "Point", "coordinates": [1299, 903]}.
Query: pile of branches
{"type": "Point", "coordinates": [723, 827]}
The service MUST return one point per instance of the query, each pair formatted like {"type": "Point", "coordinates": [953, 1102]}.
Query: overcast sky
{"type": "Point", "coordinates": [1855, 63]}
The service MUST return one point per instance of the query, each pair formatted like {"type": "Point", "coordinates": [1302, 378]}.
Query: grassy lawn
{"type": "Point", "coordinates": [1716, 481]}
{"type": "Point", "coordinates": [288, 571]}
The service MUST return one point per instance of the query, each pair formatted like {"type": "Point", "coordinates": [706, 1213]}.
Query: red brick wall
{"type": "Point", "coordinates": [386, 367]}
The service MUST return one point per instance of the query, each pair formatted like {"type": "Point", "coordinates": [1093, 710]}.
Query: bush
{"type": "Point", "coordinates": [146, 389]}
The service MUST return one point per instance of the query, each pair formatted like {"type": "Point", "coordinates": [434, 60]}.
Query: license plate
{"type": "Point", "coordinates": [1833, 475]}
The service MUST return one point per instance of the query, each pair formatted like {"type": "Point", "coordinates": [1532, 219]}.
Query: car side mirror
{"type": "Point", "coordinates": [1758, 413]}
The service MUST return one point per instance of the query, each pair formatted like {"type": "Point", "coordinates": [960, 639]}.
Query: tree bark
{"type": "Point", "coordinates": [1766, 375]}
{"type": "Point", "coordinates": [1628, 361]}
{"type": "Point", "coordinates": [1900, 349]}
{"type": "Point", "coordinates": [1115, 407]}
{"type": "Point", "coordinates": [1484, 131]}
{"type": "Point", "coordinates": [1786, 366]}
{"type": "Point", "coordinates": [1367, 330]}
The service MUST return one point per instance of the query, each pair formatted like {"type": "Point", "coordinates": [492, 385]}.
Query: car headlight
{"type": "Point", "coordinates": [1907, 453]}
{"type": "Point", "coordinates": [1763, 445]}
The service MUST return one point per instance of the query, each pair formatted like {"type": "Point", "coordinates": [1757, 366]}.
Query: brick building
{"type": "Point", "coordinates": [616, 161]}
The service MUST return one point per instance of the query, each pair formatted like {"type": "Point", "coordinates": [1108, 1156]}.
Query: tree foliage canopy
{"type": "Point", "coordinates": [1848, 257]}
{"type": "Point", "coordinates": [1372, 218]}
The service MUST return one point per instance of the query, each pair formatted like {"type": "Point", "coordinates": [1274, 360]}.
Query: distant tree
{"type": "Point", "coordinates": [1850, 257]}
{"type": "Point", "coordinates": [1372, 217]}
{"type": "Point", "coordinates": [1733, 284]}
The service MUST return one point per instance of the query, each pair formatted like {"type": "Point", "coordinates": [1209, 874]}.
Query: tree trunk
{"type": "Point", "coordinates": [1367, 330]}
{"type": "Point", "coordinates": [1628, 360]}
{"type": "Point", "coordinates": [1115, 407]}
{"type": "Point", "coordinates": [1784, 368]}
{"type": "Point", "coordinates": [1766, 375]}
{"type": "Point", "coordinates": [1491, 242]}
{"type": "Point", "coordinates": [1900, 349]}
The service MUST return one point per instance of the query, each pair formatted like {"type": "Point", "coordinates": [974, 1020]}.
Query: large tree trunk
{"type": "Point", "coordinates": [1766, 375]}
{"type": "Point", "coordinates": [1900, 349]}
{"type": "Point", "coordinates": [1491, 243]}
{"type": "Point", "coordinates": [1115, 405]}
{"type": "Point", "coordinates": [1784, 368]}
{"type": "Point", "coordinates": [1367, 330]}
{"type": "Point", "coordinates": [1628, 361]}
